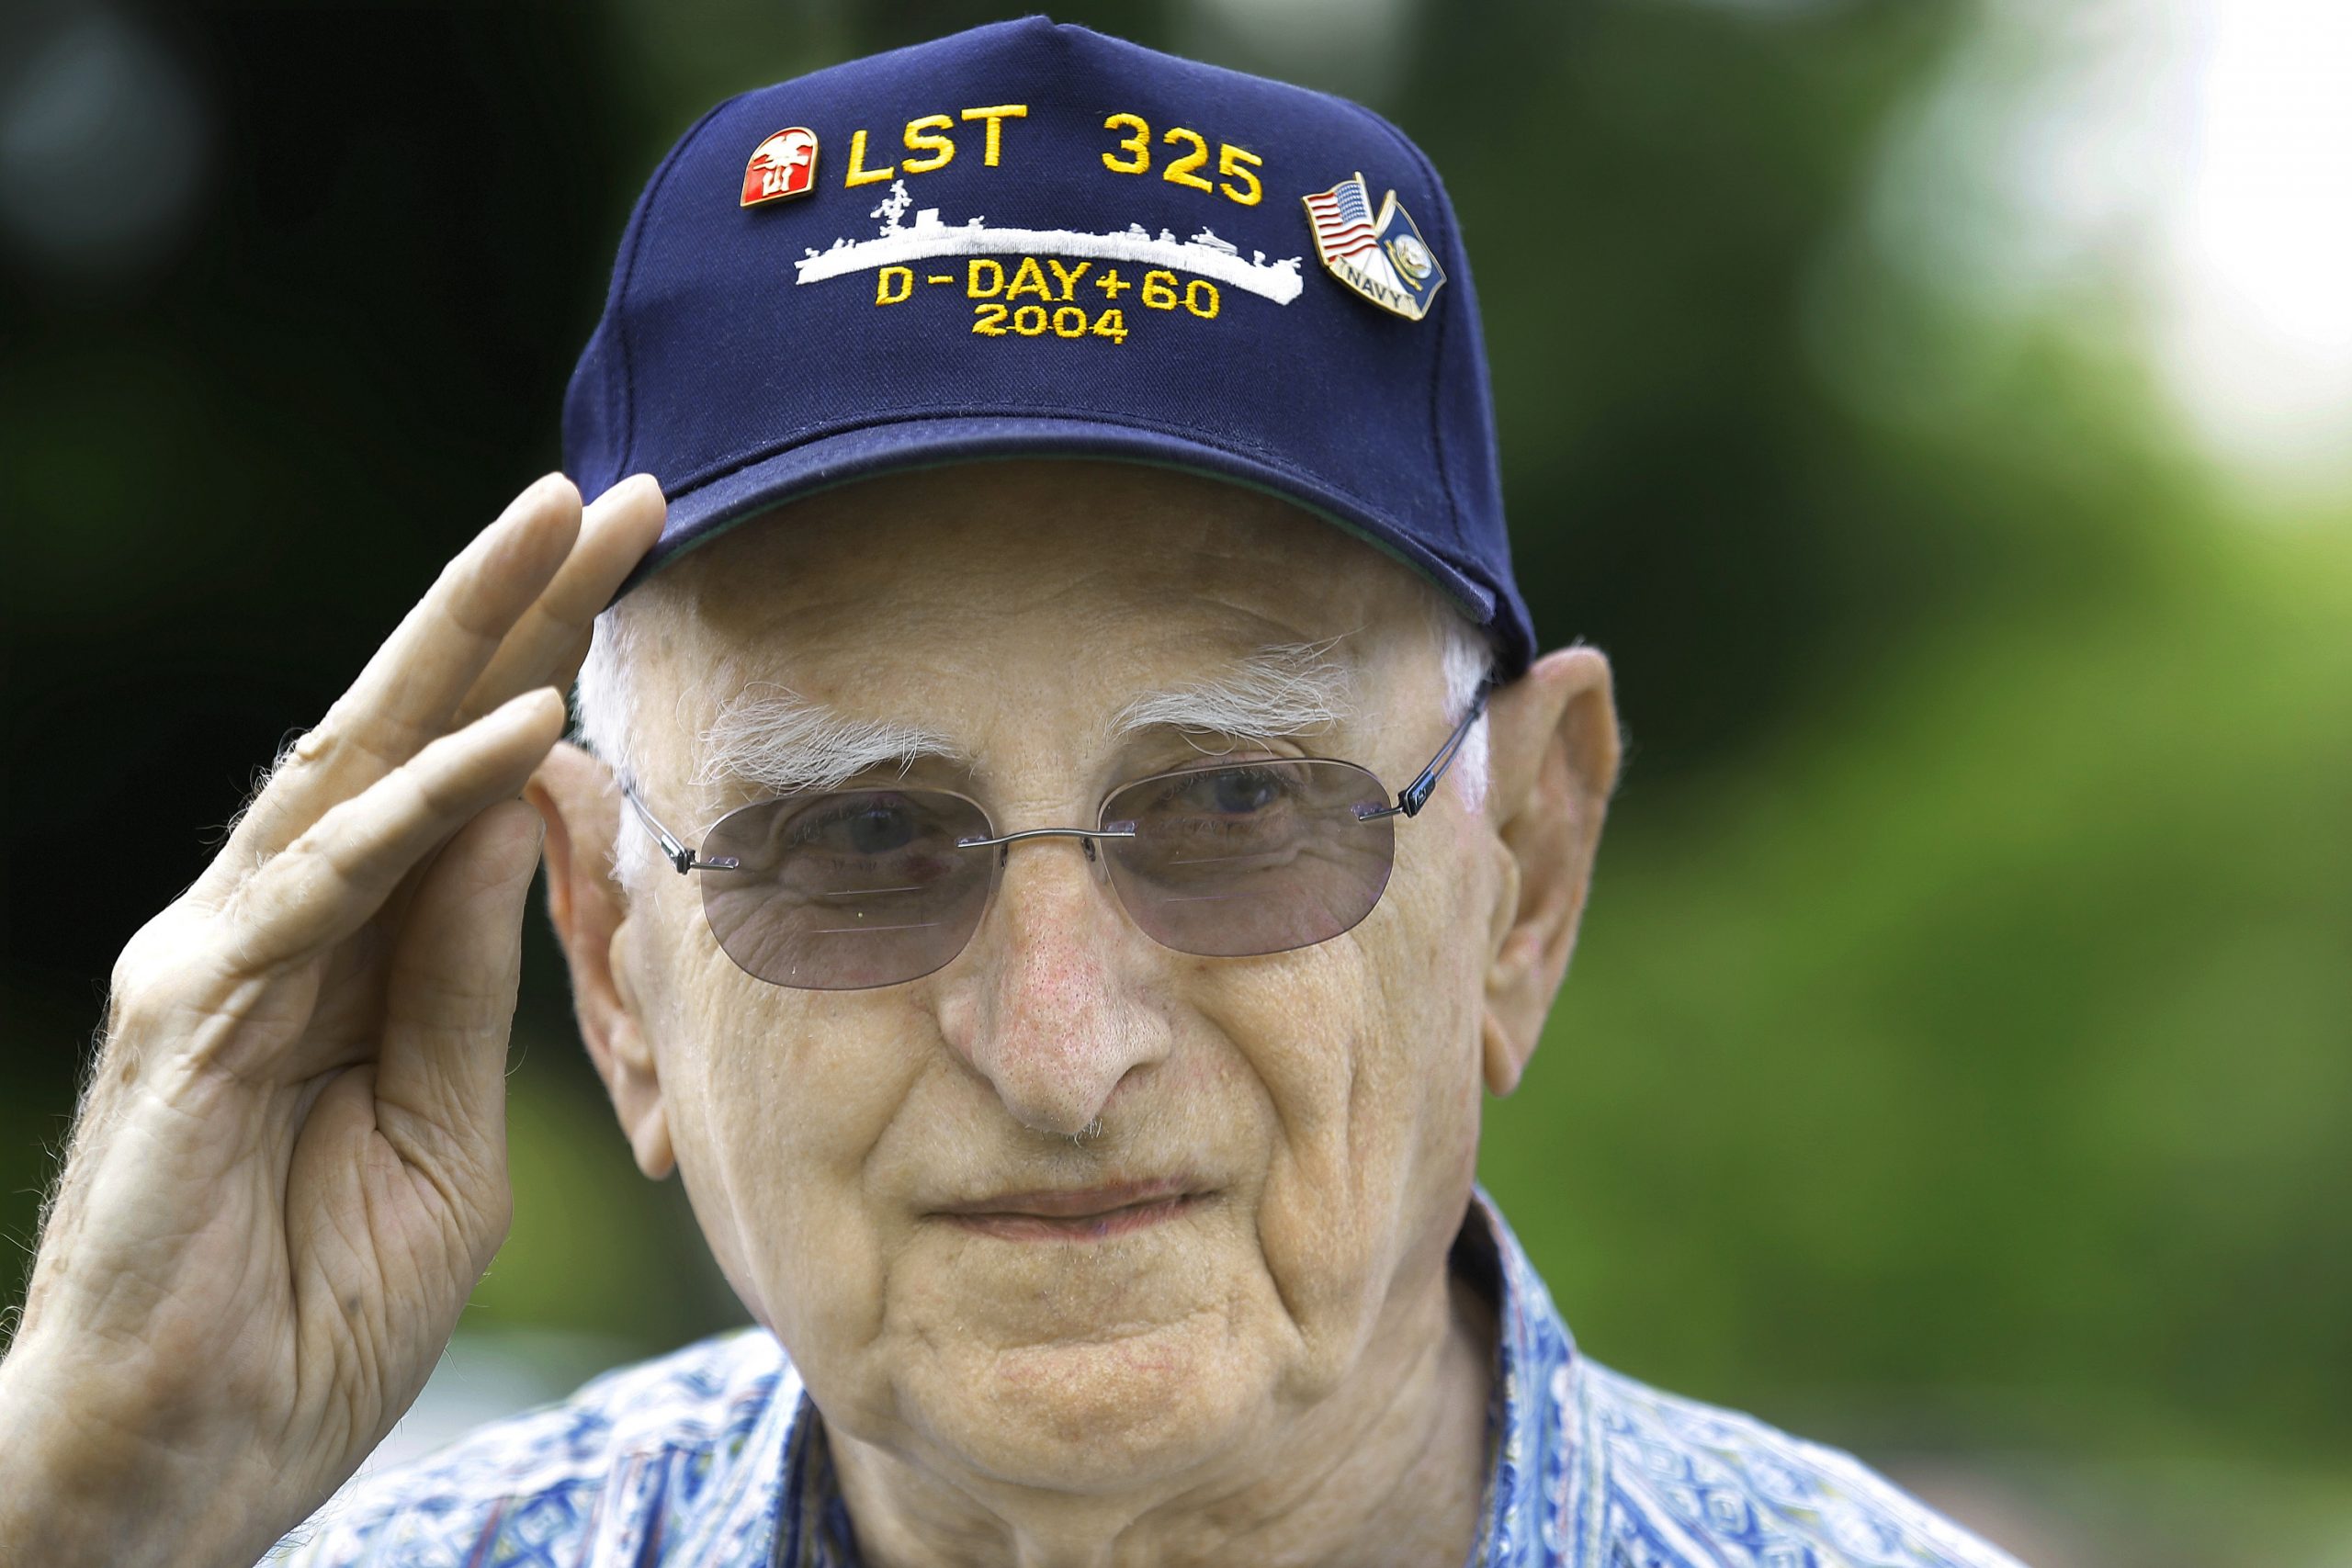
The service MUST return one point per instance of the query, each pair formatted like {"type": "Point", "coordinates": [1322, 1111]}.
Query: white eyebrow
{"type": "Point", "coordinates": [775, 739]}
{"type": "Point", "coordinates": [1282, 690]}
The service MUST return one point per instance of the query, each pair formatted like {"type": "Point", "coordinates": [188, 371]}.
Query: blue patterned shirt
{"type": "Point", "coordinates": [715, 1458]}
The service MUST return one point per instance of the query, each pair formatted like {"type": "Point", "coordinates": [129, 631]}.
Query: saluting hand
{"type": "Point", "coordinates": [289, 1169]}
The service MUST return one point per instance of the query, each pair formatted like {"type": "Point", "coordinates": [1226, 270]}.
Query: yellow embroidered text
{"type": "Point", "coordinates": [1133, 156]}
{"type": "Point", "coordinates": [1038, 295]}
{"type": "Point", "coordinates": [929, 145]}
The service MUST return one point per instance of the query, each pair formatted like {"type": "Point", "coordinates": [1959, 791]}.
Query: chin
{"type": "Point", "coordinates": [1163, 1402]}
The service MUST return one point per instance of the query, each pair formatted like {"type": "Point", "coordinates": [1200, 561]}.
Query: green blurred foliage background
{"type": "Point", "coordinates": [1954, 1065]}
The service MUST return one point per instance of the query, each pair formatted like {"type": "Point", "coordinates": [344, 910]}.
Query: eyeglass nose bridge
{"type": "Point", "coordinates": [1003, 842]}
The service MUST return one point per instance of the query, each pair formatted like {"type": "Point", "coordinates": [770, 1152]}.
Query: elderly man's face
{"type": "Point", "coordinates": [1302, 1126]}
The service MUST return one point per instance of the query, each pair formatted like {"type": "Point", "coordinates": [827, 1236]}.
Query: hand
{"type": "Point", "coordinates": [289, 1169]}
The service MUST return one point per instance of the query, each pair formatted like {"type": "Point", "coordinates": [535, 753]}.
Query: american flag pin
{"type": "Point", "coordinates": [1381, 257]}
{"type": "Point", "coordinates": [784, 164]}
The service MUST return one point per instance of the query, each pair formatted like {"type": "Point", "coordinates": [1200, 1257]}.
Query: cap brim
{"type": "Point", "coordinates": [704, 511]}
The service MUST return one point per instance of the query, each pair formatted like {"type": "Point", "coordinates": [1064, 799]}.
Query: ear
{"type": "Point", "coordinates": [1553, 740]}
{"type": "Point", "coordinates": [576, 795]}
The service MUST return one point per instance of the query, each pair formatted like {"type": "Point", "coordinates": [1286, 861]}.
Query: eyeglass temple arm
{"type": "Point", "coordinates": [1414, 796]}
{"type": "Point", "coordinates": [676, 854]}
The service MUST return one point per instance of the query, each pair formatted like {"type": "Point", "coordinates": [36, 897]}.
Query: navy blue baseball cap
{"type": "Point", "coordinates": [1033, 239]}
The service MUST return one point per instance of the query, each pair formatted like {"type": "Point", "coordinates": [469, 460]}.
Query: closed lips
{"type": "Point", "coordinates": [1090, 1213]}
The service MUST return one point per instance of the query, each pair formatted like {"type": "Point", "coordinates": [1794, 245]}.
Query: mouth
{"type": "Point", "coordinates": [1092, 1214]}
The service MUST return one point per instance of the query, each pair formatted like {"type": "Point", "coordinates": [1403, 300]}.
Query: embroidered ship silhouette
{"type": "Point", "coordinates": [1206, 254]}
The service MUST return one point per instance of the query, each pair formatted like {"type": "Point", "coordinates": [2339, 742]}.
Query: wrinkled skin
{"type": "Point", "coordinates": [289, 1166]}
{"type": "Point", "coordinates": [1281, 1373]}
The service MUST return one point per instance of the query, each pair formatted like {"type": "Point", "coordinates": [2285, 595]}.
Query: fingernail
{"type": "Point", "coordinates": [527, 705]}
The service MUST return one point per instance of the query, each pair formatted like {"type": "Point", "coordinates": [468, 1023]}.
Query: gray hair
{"type": "Point", "coordinates": [772, 738]}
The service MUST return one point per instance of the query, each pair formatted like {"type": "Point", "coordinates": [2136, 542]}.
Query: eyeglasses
{"type": "Point", "coordinates": [842, 890]}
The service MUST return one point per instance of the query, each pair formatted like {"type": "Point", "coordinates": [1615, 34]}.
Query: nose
{"type": "Point", "coordinates": [1050, 1005]}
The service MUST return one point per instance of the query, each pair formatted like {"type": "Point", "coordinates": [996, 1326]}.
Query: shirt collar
{"type": "Point", "coordinates": [1529, 1430]}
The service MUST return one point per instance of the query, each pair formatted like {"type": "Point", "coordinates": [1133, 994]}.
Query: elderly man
{"type": "Point", "coordinates": [1055, 901]}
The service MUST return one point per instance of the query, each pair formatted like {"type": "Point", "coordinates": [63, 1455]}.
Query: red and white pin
{"type": "Point", "coordinates": [783, 166]}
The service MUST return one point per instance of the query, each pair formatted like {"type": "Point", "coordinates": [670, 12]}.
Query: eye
{"type": "Point", "coordinates": [1238, 790]}
{"type": "Point", "coordinates": [879, 829]}
{"type": "Point", "coordinates": [1226, 797]}
{"type": "Point", "coordinates": [857, 825]}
